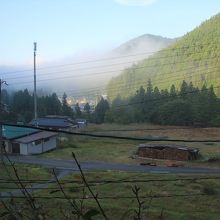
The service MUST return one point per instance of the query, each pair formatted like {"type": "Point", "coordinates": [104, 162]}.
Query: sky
{"type": "Point", "coordinates": [64, 28]}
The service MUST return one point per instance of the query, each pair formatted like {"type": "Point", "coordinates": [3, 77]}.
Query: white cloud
{"type": "Point", "coordinates": [135, 2]}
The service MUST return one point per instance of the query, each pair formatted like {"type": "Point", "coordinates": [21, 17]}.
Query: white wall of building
{"type": "Point", "coordinates": [23, 149]}
{"type": "Point", "coordinates": [38, 147]}
{"type": "Point", "coordinates": [41, 147]}
{"type": "Point", "coordinates": [7, 147]}
{"type": "Point", "coordinates": [50, 144]}
{"type": "Point", "coordinates": [32, 148]}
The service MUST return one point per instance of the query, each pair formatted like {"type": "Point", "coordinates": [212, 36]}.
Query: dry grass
{"type": "Point", "coordinates": [175, 208]}
{"type": "Point", "coordinates": [120, 151]}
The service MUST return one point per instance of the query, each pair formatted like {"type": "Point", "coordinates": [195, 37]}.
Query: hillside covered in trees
{"type": "Point", "coordinates": [194, 58]}
{"type": "Point", "coordinates": [188, 106]}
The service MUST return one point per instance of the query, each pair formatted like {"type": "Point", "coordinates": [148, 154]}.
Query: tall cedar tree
{"type": "Point", "coordinates": [100, 111]}
{"type": "Point", "coordinates": [77, 110]}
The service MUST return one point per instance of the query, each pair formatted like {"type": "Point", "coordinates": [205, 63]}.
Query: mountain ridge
{"type": "Point", "coordinates": [158, 41]}
{"type": "Point", "coordinates": [194, 57]}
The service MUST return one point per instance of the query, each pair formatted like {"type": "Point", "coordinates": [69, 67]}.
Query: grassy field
{"type": "Point", "coordinates": [27, 172]}
{"type": "Point", "coordinates": [202, 207]}
{"type": "Point", "coordinates": [120, 151]}
{"type": "Point", "coordinates": [175, 199]}
{"type": "Point", "coordinates": [188, 207]}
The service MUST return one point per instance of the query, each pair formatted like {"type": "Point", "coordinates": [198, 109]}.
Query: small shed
{"type": "Point", "coordinates": [26, 141]}
{"type": "Point", "coordinates": [167, 152]}
{"type": "Point", "coordinates": [36, 143]}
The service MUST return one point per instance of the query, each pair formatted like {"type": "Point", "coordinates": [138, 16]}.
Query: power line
{"type": "Point", "coordinates": [144, 129]}
{"type": "Point", "coordinates": [162, 98]}
{"type": "Point", "coordinates": [115, 71]}
{"type": "Point", "coordinates": [116, 197]}
{"type": "Point", "coordinates": [113, 136]}
{"type": "Point", "coordinates": [136, 129]}
{"type": "Point", "coordinates": [140, 82]}
{"type": "Point", "coordinates": [158, 99]}
{"type": "Point", "coordinates": [60, 78]}
{"type": "Point", "coordinates": [120, 181]}
{"type": "Point", "coordinates": [171, 73]}
{"type": "Point", "coordinates": [113, 58]}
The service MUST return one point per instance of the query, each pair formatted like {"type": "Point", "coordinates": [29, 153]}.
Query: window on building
{"type": "Point", "coordinates": [37, 142]}
{"type": "Point", "coordinates": [46, 139]}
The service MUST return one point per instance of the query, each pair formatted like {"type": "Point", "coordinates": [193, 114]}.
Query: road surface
{"type": "Point", "coordinates": [65, 167]}
{"type": "Point", "coordinates": [69, 165]}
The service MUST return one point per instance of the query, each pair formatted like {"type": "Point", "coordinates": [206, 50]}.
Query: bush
{"type": "Point", "coordinates": [209, 190]}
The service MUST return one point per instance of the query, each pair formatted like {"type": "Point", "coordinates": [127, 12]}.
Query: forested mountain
{"type": "Point", "coordinates": [146, 43]}
{"type": "Point", "coordinates": [194, 58]}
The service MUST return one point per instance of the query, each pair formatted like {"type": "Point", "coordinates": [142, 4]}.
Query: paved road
{"type": "Point", "coordinates": [65, 167]}
{"type": "Point", "coordinates": [69, 165]}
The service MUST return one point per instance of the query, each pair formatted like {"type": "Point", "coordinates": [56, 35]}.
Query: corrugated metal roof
{"type": "Point", "coordinates": [11, 132]}
{"type": "Point", "coordinates": [52, 122]}
{"type": "Point", "coordinates": [35, 137]}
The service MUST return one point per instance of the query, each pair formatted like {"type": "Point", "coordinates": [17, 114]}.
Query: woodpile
{"type": "Point", "coordinates": [167, 152]}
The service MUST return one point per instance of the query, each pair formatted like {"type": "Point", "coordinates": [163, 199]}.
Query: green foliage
{"type": "Point", "coordinates": [194, 58]}
{"type": "Point", "coordinates": [5, 97]}
{"type": "Point", "coordinates": [49, 105]}
{"type": "Point", "coordinates": [77, 110]}
{"type": "Point", "coordinates": [23, 104]}
{"type": "Point", "coordinates": [177, 112]}
{"type": "Point", "coordinates": [20, 106]}
{"type": "Point", "coordinates": [209, 190]}
{"type": "Point", "coordinates": [215, 122]}
{"type": "Point", "coordinates": [121, 111]}
{"type": "Point", "coordinates": [66, 109]}
{"type": "Point", "coordinates": [187, 107]}
{"type": "Point", "coordinates": [87, 108]}
{"type": "Point", "coordinates": [100, 111]}
{"type": "Point", "coordinates": [91, 213]}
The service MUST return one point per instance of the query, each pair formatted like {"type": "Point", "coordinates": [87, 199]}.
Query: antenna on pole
{"type": "Point", "coordinates": [35, 84]}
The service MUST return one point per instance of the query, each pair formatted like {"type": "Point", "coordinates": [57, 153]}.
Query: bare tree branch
{"type": "Point", "coordinates": [72, 202]}
{"type": "Point", "coordinates": [95, 196]}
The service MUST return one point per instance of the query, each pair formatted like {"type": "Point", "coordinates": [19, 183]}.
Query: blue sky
{"type": "Point", "coordinates": [65, 27]}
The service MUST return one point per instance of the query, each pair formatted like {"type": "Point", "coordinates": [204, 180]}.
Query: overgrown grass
{"type": "Point", "coordinates": [120, 151]}
{"type": "Point", "coordinates": [174, 208]}
{"type": "Point", "coordinates": [27, 172]}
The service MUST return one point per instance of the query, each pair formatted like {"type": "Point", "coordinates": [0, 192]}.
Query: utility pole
{"type": "Point", "coordinates": [1, 110]}
{"type": "Point", "coordinates": [35, 84]}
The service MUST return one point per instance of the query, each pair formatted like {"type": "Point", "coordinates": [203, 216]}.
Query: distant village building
{"type": "Point", "coordinates": [81, 122]}
{"type": "Point", "coordinates": [167, 152]}
{"type": "Point", "coordinates": [82, 105]}
{"type": "Point", "coordinates": [55, 122]}
{"type": "Point", "coordinates": [27, 141]}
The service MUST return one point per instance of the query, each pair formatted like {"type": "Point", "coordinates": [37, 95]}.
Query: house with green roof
{"type": "Point", "coordinates": [27, 141]}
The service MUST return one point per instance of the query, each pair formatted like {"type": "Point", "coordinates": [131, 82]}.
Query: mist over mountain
{"type": "Point", "coordinates": [193, 58]}
{"type": "Point", "coordinates": [146, 43]}
{"type": "Point", "coordinates": [86, 73]}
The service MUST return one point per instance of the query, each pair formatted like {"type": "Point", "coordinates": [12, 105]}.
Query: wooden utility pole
{"type": "Point", "coordinates": [35, 84]}
{"type": "Point", "coordinates": [1, 110]}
